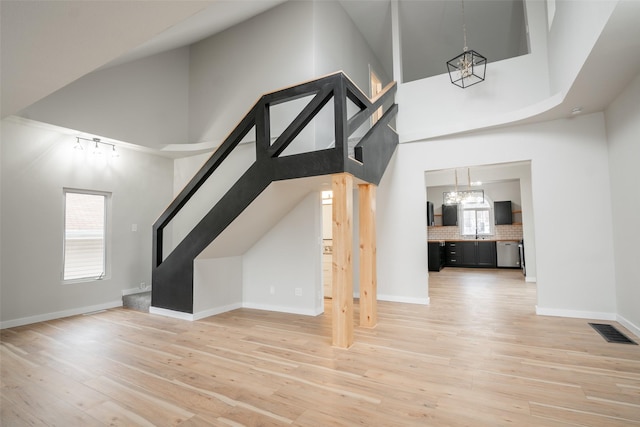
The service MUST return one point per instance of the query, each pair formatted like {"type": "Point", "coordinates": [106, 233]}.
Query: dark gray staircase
{"type": "Point", "coordinates": [172, 276]}
{"type": "Point", "coordinates": [139, 301]}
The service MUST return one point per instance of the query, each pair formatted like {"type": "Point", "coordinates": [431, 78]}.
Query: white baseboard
{"type": "Point", "coordinates": [531, 279]}
{"type": "Point", "coordinates": [635, 329]}
{"type": "Point", "coordinates": [281, 309]}
{"type": "Point", "coordinates": [407, 300]}
{"type": "Point", "coordinates": [216, 310]}
{"type": "Point", "coordinates": [58, 314]}
{"type": "Point", "coordinates": [171, 313]}
{"type": "Point", "coordinates": [212, 312]}
{"type": "Point", "coordinates": [557, 312]}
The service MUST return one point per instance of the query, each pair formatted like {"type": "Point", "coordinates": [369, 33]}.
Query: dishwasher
{"type": "Point", "coordinates": [508, 254]}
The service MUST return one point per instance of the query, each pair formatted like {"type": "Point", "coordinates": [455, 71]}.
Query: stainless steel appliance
{"type": "Point", "coordinates": [508, 254]}
{"type": "Point", "coordinates": [522, 263]}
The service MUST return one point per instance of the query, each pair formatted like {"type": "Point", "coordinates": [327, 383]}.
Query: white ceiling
{"type": "Point", "coordinates": [216, 17]}
{"type": "Point", "coordinates": [613, 62]}
{"type": "Point", "coordinates": [46, 45]}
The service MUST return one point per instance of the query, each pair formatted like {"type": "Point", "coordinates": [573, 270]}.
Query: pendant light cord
{"type": "Point", "coordinates": [464, 27]}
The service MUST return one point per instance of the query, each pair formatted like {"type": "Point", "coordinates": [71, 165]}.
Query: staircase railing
{"type": "Point", "coordinates": [172, 274]}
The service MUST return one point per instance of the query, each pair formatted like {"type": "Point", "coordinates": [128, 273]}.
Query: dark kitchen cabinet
{"type": "Point", "coordinates": [452, 257]}
{"type": "Point", "coordinates": [449, 215]}
{"type": "Point", "coordinates": [430, 216]}
{"type": "Point", "coordinates": [502, 213]}
{"type": "Point", "coordinates": [467, 253]}
{"type": "Point", "coordinates": [436, 255]}
{"type": "Point", "coordinates": [486, 254]}
{"type": "Point", "coordinates": [471, 254]}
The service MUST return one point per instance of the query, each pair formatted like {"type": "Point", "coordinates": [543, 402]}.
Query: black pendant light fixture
{"type": "Point", "coordinates": [469, 67]}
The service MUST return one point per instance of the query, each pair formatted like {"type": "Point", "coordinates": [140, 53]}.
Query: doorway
{"type": "Point", "coordinates": [375, 89]}
{"type": "Point", "coordinates": [509, 183]}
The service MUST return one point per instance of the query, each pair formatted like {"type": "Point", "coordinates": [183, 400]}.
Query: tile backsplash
{"type": "Point", "coordinates": [502, 232]}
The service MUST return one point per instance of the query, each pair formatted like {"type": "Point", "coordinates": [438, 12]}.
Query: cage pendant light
{"type": "Point", "coordinates": [469, 67]}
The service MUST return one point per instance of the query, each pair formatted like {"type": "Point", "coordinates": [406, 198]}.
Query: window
{"type": "Point", "coordinates": [85, 235]}
{"type": "Point", "coordinates": [476, 219]}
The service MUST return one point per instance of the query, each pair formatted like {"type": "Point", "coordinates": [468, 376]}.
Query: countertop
{"type": "Point", "coordinates": [473, 240]}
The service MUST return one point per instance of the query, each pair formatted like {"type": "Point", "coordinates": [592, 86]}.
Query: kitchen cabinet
{"type": "Point", "coordinates": [468, 252]}
{"type": "Point", "coordinates": [486, 254]}
{"type": "Point", "coordinates": [502, 213]}
{"type": "Point", "coordinates": [449, 215]}
{"type": "Point", "coordinates": [471, 254]}
{"type": "Point", "coordinates": [437, 255]}
{"type": "Point", "coordinates": [430, 216]}
{"type": "Point", "coordinates": [451, 255]}
{"type": "Point", "coordinates": [327, 273]}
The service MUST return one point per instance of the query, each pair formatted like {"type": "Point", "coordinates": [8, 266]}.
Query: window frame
{"type": "Point", "coordinates": [106, 235]}
{"type": "Point", "coordinates": [484, 207]}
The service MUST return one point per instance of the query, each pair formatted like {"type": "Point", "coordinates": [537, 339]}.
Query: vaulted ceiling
{"type": "Point", "coordinates": [46, 45]}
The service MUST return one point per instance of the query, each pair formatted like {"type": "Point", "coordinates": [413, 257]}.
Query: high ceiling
{"type": "Point", "coordinates": [47, 45]}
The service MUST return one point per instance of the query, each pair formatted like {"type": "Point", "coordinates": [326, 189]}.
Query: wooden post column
{"type": "Point", "coordinates": [368, 273]}
{"type": "Point", "coordinates": [342, 265]}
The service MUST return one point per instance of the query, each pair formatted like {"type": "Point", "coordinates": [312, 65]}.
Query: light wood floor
{"type": "Point", "coordinates": [477, 356]}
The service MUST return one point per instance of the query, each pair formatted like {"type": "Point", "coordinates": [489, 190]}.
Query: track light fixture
{"type": "Point", "coordinates": [96, 147]}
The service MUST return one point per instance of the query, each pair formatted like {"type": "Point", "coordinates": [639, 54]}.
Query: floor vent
{"type": "Point", "coordinates": [611, 334]}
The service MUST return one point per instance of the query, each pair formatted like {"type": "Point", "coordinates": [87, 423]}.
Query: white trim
{"type": "Point", "coordinates": [630, 326]}
{"type": "Point", "coordinates": [213, 311]}
{"type": "Point", "coordinates": [280, 309]}
{"type": "Point", "coordinates": [58, 314]}
{"type": "Point", "coordinates": [407, 300]}
{"type": "Point", "coordinates": [216, 310]}
{"type": "Point", "coordinates": [578, 314]}
{"type": "Point", "coordinates": [171, 313]}
{"type": "Point", "coordinates": [531, 279]}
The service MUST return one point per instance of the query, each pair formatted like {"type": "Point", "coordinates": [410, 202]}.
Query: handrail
{"type": "Point", "coordinates": [270, 165]}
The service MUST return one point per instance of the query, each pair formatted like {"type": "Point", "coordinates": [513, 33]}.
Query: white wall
{"type": "Point", "coordinates": [575, 30]}
{"type": "Point", "coordinates": [283, 46]}
{"type": "Point", "coordinates": [217, 285]}
{"type": "Point", "coordinates": [143, 102]}
{"type": "Point", "coordinates": [338, 45]}
{"type": "Point", "coordinates": [623, 128]}
{"type": "Point", "coordinates": [231, 70]}
{"type": "Point", "coordinates": [37, 162]}
{"type": "Point", "coordinates": [286, 258]}
{"type": "Point", "coordinates": [568, 168]}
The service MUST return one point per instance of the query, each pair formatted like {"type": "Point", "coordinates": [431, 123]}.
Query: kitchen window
{"type": "Point", "coordinates": [476, 220]}
{"type": "Point", "coordinates": [85, 235]}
